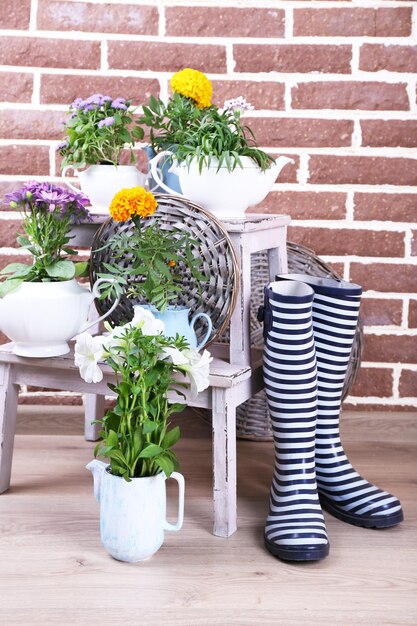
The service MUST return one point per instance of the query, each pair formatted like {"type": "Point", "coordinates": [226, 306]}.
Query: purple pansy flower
{"type": "Point", "coordinates": [108, 121]}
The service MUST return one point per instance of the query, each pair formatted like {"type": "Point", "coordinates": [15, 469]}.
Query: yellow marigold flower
{"type": "Point", "coordinates": [194, 85]}
{"type": "Point", "coordinates": [135, 201]}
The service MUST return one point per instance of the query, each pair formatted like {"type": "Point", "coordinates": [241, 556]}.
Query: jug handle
{"type": "Point", "coordinates": [155, 172]}
{"type": "Point", "coordinates": [181, 490]}
{"type": "Point", "coordinates": [96, 294]}
{"type": "Point", "coordinates": [209, 329]}
{"type": "Point", "coordinates": [67, 182]}
{"type": "Point", "coordinates": [96, 468]}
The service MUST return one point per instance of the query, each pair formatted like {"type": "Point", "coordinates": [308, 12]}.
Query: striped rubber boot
{"type": "Point", "coordinates": [295, 528]}
{"type": "Point", "coordinates": [343, 492]}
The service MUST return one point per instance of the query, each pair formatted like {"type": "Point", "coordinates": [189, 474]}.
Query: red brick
{"type": "Point", "coordinates": [414, 243]}
{"type": "Point", "coordinates": [40, 52]}
{"type": "Point", "coordinates": [377, 57]}
{"type": "Point", "coordinates": [361, 170]}
{"type": "Point", "coordinates": [14, 14]}
{"type": "Point", "coordinates": [301, 132]}
{"type": "Point", "coordinates": [373, 381]}
{"type": "Point", "coordinates": [408, 384]}
{"type": "Point", "coordinates": [23, 124]}
{"type": "Point", "coordinates": [348, 242]}
{"type": "Point", "coordinates": [396, 207]}
{"type": "Point", "coordinates": [63, 89]}
{"type": "Point", "coordinates": [372, 96]}
{"type": "Point", "coordinates": [9, 229]}
{"type": "Point", "coordinates": [379, 312]}
{"type": "Point", "coordinates": [353, 22]}
{"type": "Point", "coordinates": [262, 95]}
{"type": "Point", "coordinates": [385, 277]}
{"type": "Point", "coordinates": [224, 22]}
{"type": "Point", "coordinates": [102, 18]}
{"type": "Point", "coordinates": [371, 406]}
{"type": "Point", "coordinates": [412, 314]}
{"type": "Point", "coordinates": [307, 205]}
{"type": "Point", "coordinates": [390, 348]}
{"type": "Point", "coordinates": [166, 57]}
{"type": "Point", "coordinates": [393, 133]}
{"type": "Point", "coordinates": [24, 160]}
{"type": "Point", "coordinates": [16, 87]}
{"type": "Point", "coordinates": [292, 58]}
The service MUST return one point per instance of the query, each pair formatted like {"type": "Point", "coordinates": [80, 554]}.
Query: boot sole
{"type": "Point", "coordinates": [365, 521]}
{"type": "Point", "coordinates": [297, 553]}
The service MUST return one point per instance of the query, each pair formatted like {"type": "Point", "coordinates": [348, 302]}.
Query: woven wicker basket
{"type": "Point", "coordinates": [252, 417]}
{"type": "Point", "coordinates": [210, 243]}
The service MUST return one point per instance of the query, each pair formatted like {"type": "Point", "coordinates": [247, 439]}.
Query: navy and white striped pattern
{"type": "Point", "coordinates": [295, 528]}
{"type": "Point", "coordinates": [343, 492]}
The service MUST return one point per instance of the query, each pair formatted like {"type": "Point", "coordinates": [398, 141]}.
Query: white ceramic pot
{"type": "Point", "coordinates": [133, 514]}
{"type": "Point", "coordinates": [41, 317]}
{"type": "Point", "coordinates": [223, 193]}
{"type": "Point", "coordinates": [101, 182]}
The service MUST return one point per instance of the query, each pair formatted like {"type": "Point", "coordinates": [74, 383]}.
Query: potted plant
{"type": "Point", "coordinates": [168, 123]}
{"type": "Point", "coordinates": [97, 130]}
{"type": "Point", "coordinates": [137, 437]}
{"type": "Point", "coordinates": [215, 155]}
{"type": "Point", "coordinates": [42, 305]}
{"type": "Point", "coordinates": [155, 256]}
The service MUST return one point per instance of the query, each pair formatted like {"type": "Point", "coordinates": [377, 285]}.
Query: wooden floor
{"type": "Point", "coordinates": [53, 569]}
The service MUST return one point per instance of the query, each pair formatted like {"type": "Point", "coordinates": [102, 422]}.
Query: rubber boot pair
{"type": "Point", "coordinates": [309, 328]}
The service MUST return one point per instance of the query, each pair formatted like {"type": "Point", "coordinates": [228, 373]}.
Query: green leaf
{"type": "Point", "coordinates": [149, 427]}
{"type": "Point", "coordinates": [150, 451]}
{"type": "Point", "coordinates": [18, 269]}
{"type": "Point", "coordinates": [64, 270]}
{"type": "Point", "coordinates": [166, 465]}
{"type": "Point", "coordinates": [81, 268]}
{"type": "Point", "coordinates": [10, 285]}
{"type": "Point", "coordinates": [171, 438]}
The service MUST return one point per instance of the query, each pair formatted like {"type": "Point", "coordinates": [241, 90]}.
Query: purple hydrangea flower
{"type": "Point", "coordinates": [119, 103]}
{"type": "Point", "coordinates": [108, 121]}
{"type": "Point", "coordinates": [78, 103]}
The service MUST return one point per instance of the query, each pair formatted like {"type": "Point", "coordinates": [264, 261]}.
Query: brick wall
{"type": "Point", "coordinates": [334, 86]}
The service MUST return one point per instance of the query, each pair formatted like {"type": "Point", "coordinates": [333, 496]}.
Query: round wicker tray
{"type": "Point", "coordinates": [252, 417]}
{"type": "Point", "coordinates": [216, 297]}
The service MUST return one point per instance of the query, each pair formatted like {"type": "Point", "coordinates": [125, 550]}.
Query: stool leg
{"type": "Point", "coordinates": [8, 410]}
{"type": "Point", "coordinates": [224, 462]}
{"type": "Point", "coordinates": [93, 410]}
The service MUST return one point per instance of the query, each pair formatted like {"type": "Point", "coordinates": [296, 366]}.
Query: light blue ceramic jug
{"type": "Point", "coordinates": [177, 321]}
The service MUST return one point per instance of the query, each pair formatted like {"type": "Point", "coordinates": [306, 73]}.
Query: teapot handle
{"type": "Point", "coordinates": [181, 489]}
{"type": "Point", "coordinates": [95, 292]}
{"type": "Point", "coordinates": [209, 329]}
{"type": "Point", "coordinates": [155, 172]}
{"type": "Point", "coordinates": [70, 185]}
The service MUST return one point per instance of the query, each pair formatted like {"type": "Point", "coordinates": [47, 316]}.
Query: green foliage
{"type": "Point", "coordinates": [201, 134]}
{"type": "Point", "coordinates": [90, 139]}
{"type": "Point", "coordinates": [155, 258]}
{"type": "Point", "coordinates": [137, 438]}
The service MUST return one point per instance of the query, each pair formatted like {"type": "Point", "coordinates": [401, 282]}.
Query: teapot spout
{"type": "Point", "coordinates": [96, 468]}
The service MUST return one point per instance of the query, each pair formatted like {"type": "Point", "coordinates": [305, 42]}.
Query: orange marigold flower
{"type": "Point", "coordinates": [172, 263]}
{"type": "Point", "coordinates": [135, 201]}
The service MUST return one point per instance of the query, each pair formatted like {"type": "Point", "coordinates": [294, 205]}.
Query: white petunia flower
{"type": "Point", "coordinates": [88, 352]}
{"type": "Point", "coordinates": [176, 356]}
{"type": "Point", "coordinates": [147, 322]}
{"type": "Point", "coordinates": [237, 104]}
{"type": "Point", "coordinates": [197, 370]}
